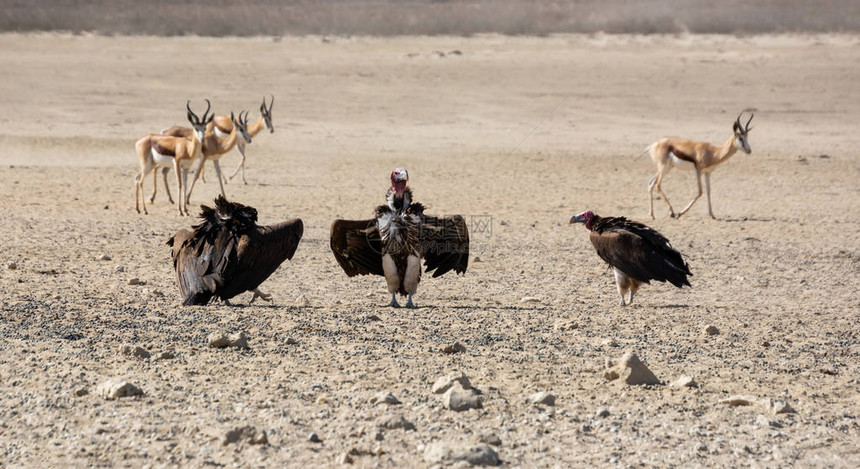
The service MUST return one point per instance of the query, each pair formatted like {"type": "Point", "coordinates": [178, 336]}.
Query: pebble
{"type": "Point", "coordinates": [314, 438]}
{"type": "Point", "coordinates": [344, 458]}
{"type": "Point", "coordinates": [609, 343]}
{"type": "Point", "coordinates": [134, 351]}
{"type": "Point", "coordinates": [116, 388]}
{"type": "Point", "coordinates": [136, 281]}
{"type": "Point", "coordinates": [542, 398]}
{"type": "Point", "coordinates": [456, 347]}
{"type": "Point", "coordinates": [684, 381]}
{"type": "Point", "coordinates": [11, 266]}
{"type": "Point", "coordinates": [166, 355]}
{"type": "Point", "coordinates": [602, 413]}
{"type": "Point", "coordinates": [80, 392]}
{"type": "Point", "coordinates": [119, 268]}
{"type": "Point", "coordinates": [459, 399]}
{"type": "Point", "coordinates": [490, 438]}
{"type": "Point", "coordinates": [302, 300]}
{"type": "Point", "coordinates": [374, 318]}
{"type": "Point", "coordinates": [711, 329]}
{"type": "Point", "coordinates": [384, 398]}
{"type": "Point", "coordinates": [530, 299]}
{"type": "Point", "coordinates": [738, 400]}
{"type": "Point", "coordinates": [629, 370]}
{"type": "Point", "coordinates": [450, 453]}
{"type": "Point", "coordinates": [221, 340]}
{"type": "Point", "coordinates": [394, 422]}
{"type": "Point", "coordinates": [776, 406]}
{"type": "Point", "coordinates": [379, 436]}
{"type": "Point", "coordinates": [248, 434]}
{"type": "Point", "coordinates": [157, 293]}
{"type": "Point", "coordinates": [764, 421]}
{"type": "Point", "coordinates": [103, 257]}
{"type": "Point", "coordinates": [445, 383]}
{"type": "Point", "coordinates": [291, 341]}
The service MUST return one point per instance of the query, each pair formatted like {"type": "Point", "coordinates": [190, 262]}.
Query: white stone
{"type": "Point", "coordinates": [448, 453]}
{"type": "Point", "coordinates": [116, 388]}
{"type": "Point", "coordinates": [541, 398]}
{"type": "Point", "coordinates": [444, 383]}
{"type": "Point", "coordinates": [629, 370]}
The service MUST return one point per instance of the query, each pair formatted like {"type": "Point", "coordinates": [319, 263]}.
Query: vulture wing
{"type": "Point", "coordinates": [357, 246]}
{"type": "Point", "coordinates": [444, 244]}
{"type": "Point", "coordinates": [202, 264]}
{"type": "Point", "coordinates": [259, 252]}
{"type": "Point", "coordinates": [640, 252]}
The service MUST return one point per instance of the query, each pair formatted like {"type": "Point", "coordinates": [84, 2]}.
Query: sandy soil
{"type": "Point", "coordinates": [517, 134]}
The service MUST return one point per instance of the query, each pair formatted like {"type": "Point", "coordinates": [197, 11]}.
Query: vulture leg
{"type": "Point", "coordinates": [259, 294]}
{"type": "Point", "coordinates": [394, 303]}
{"type": "Point", "coordinates": [411, 278]}
{"type": "Point", "coordinates": [699, 182]}
{"type": "Point", "coordinates": [708, 192]}
{"type": "Point", "coordinates": [623, 282]}
{"type": "Point", "coordinates": [391, 278]}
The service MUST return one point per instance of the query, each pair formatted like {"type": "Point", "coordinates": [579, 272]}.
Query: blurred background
{"type": "Point", "coordinates": [428, 17]}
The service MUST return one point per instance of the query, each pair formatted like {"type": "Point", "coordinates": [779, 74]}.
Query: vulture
{"type": "Point", "coordinates": [227, 253]}
{"type": "Point", "coordinates": [637, 253]}
{"type": "Point", "coordinates": [393, 242]}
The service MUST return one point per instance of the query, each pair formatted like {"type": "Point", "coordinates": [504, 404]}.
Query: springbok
{"type": "Point", "coordinates": [699, 156]}
{"type": "Point", "coordinates": [161, 151]}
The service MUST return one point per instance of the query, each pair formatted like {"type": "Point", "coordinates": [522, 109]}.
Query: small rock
{"type": "Point", "coordinates": [11, 266]}
{"type": "Point", "coordinates": [444, 383]}
{"type": "Point", "coordinates": [302, 300]}
{"type": "Point", "coordinates": [379, 436]}
{"type": "Point", "coordinates": [764, 421]}
{"type": "Point", "coordinates": [166, 355]}
{"type": "Point", "coordinates": [81, 392]}
{"type": "Point", "coordinates": [344, 458]}
{"type": "Point", "coordinates": [377, 450]}
{"type": "Point", "coordinates": [248, 434]}
{"type": "Point", "coordinates": [384, 398]}
{"type": "Point", "coordinates": [393, 422]}
{"type": "Point", "coordinates": [116, 388]}
{"type": "Point", "coordinates": [477, 259]}
{"type": "Point", "coordinates": [776, 406]}
{"type": "Point", "coordinates": [609, 343]}
{"type": "Point", "coordinates": [157, 293]}
{"type": "Point", "coordinates": [119, 268]}
{"type": "Point", "coordinates": [314, 438]}
{"type": "Point", "coordinates": [630, 370]}
{"type": "Point", "coordinates": [221, 340]}
{"type": "Point", "coordinates": [602, 413]}
{"type": "Point", "coordinates": [459, 399]}
{"type": "Point", "coordinates": [103, 257]}
{"type": "Point", "coordinates": [530, 299]}
{"type": "Point", "coordinates": [291, 341]}
{"type": "Point", "coordinates": [456, 347]}
{"type": "Point", "coordinates": [490, 438]}
{"type": "Point", "coordinates": [684, 382]}
{"type": "Point", "coordinates": [738, 400]}
{"type": "Point", "coordinates": [541, 398]}
{"type": "Point", "coordinates": [136, 281]}
{"type": "Point", "coordinates": [134, 351]}
{"type": "Point", "coordinates": [503, 223]}
{"type": "Point", "coordinates": [374, 318]}
{"type": "Point", "coordinates": [711, 330]}
{"type": "Point", "coordinates": [701, 447]}
{"type": "Point", "coordinates": [448, 453]}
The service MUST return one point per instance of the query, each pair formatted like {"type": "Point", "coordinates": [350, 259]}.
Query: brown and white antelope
{"type": "Point", "coordinates": [702, 157]}
{"type": "Point", "coordinates": [163, 151]}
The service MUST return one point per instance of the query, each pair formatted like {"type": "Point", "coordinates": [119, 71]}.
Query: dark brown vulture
{"type": "Point", "coordinates": [228, 253]}
{"type": "Point", "coordinates": [637, 253]}
{"type": "Point", "coordinates": [394, 241]}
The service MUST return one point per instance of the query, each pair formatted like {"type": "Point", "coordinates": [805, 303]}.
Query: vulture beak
{"type": "Point", "coordinates": [576, 219]}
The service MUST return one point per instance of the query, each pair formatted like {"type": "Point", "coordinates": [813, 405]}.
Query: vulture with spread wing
{"type": "Point", "coordinates": [637, 253]}
{"type": "Point", "coordinates": [394, 241]}
{"type": "Point", "coordinates": [228, 253]}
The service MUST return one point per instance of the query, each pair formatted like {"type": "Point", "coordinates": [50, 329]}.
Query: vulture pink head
{"type": "Point", "coordinates": [584, 217]}
{"type": "Point", "coordinates": [399, 178]}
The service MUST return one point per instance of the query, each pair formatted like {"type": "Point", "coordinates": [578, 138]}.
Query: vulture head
{"type": "Point", "coordinates": [399, 178]}
{"type": "Point", "coordinates": [584, 217]}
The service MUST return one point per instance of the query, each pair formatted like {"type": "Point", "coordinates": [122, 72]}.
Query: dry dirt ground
{"type": "Point", "coordinates": [516, 134]}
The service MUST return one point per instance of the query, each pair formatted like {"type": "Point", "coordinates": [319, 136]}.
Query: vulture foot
{"type": "Point", "coordinates": [409, 303]}
{"type": "Point", "coordinates": [394, 303]}
{"type": "Point", "coordinates": [259, 294]}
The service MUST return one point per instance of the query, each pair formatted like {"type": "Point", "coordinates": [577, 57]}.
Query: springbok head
{"type": "Point", "coordinates": [199, 124]}
{"type": "Point", "coordinates": [242, 125]}
{"type": "Point", "coordinates": [742, 133]}
{"type": "Point", "coordinates": [266, 112]}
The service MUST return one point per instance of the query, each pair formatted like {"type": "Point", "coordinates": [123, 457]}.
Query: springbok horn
{"type": "Point", "coordinates": [208, 106]}
{"type": "Point", "coordinates": [271, 103]}
{"type": "Point", "coordinates": [747, 127]}
{"type": "Point", "coordinates": [191, 116]}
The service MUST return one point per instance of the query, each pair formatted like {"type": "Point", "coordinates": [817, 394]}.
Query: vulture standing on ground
{"type": "Point", "coordinates": [394, 241]}
{"type": "Point", "coordinates": [228, 253]}
{"type": "Point", "coordinates": [637, 253]}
